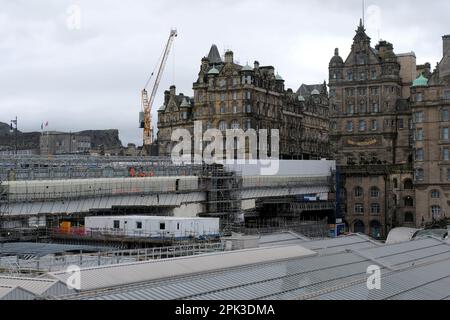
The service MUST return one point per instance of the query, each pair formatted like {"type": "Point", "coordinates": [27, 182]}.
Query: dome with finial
{"type": "Point", "coordinates": [315, 92]}
{"type": "Point", "coordinates": [246, 68]}
{"type": "Point", "coordinates": [213, 71]}
{"type": "Point", "coordinates": [336, 60]}
{"type": "Point", "coordinates": [278, 77]}
{"type": "Point", "coordinates": [301, 98]}
{"type": "Point", "coordinates": [421, 81]}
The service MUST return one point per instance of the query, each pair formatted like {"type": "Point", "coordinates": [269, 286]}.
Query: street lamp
{"type": "Point", "coordinates": [13, 126]}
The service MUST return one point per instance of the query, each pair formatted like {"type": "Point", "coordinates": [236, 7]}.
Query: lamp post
{"type": "Point", "coordinates": [14, 122]}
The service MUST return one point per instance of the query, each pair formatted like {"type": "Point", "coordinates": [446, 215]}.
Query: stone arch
{"type": "Point", "coordinates": [359, 226]}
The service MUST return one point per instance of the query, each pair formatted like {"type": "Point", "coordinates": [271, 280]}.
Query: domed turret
{"type": "Point", "coordinates": [421, 81]}
{"type": "Point", "coordinates": [336, 61]}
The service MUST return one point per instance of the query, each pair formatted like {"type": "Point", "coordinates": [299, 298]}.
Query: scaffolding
{"type": "Point", "coordinates": [223, 195]}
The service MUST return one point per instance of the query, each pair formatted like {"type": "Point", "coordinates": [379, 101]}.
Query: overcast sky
{"type": "Point", "coordinates": [89, 75]}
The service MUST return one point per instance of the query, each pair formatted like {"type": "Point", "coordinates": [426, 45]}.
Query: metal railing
{"type": "Point", "coordinates": [50, 263]}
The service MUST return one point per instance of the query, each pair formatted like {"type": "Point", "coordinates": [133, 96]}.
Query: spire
{"type": "Point", "coordinates": [361, 33]}
{"type": "Point", "coordinates": [213, 55]}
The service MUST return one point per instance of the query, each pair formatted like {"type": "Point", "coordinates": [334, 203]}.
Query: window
{"type": "Point", "coordinates": [409, 202]}
{"type": "Point", "coordinates": [419, 134]}
{"type": "Point", "coordinates": [222, 83]}
{"type": "Point", "coordinates": [374, 192]}
{"type": "Point", "coordinates": [184, 115]}
{"type": "Point", "coordinates": [445, 154]}
{"type": "Point", "coordinates": [419, 154]}
{"type": "Point", "coordinates": [234, 95]}
{"type": "Point", "coordinates": [350, 76]}
{"type": "Point", "coordinates": [222, 97]}
{"type": "Point", "coordinates": [373, 74]}
{"type": "Point", "coordinates": [419, 97]}
{"type": "Point", "coordinates": [363, 107]}
{"type": "Point", "coordinates": [138, 224]}
{"type": "Point", "coordinates": [362, 91]}
{"type": "Point", "coordinates": [359, 192]}
{"type": "Point", "coordinates": [222, 109]}
{"type": "Point", "coordinates": [375, 208]}
{"type": "Point", "coordinates": [349, 126]}
{"type": "Point", "coordinates": [436, 212]}
{"type": "Point", "coordinates": [448, 174]}
{"type": "Point", "coordinates": [435, 194]}
{"type": "Point", "coordinates": [419, 117]}
{"type": "Point", "coordinates": [375, 108]}
{"type": "Point", "coordinates": [447, 94]}
{"type": "Point", "coordinates": [444, 115]}
{"type": "Point", "coordinates": [116, 224]}
{"type": "Point", "coordinates": [408, 184]}
{"type": "Point", "coordinates": [420, 176]}
{"type": "Point", "coordinates": [359, 208]}
{"type": "Point", "coordinates": [362, 125]}
{"type": "Point", "coordinates": [162, 226]}
{"type": "Point", "coordinates": [444, 133]}
{"type": "Point", "coordinates": [248, 108]}
{"type": "Point", "coordinates": [235, 81]}
{"type": "Point", "coordinates": [222, 125]}
{"type": "Point", "coordinates": [401, 124]}
{"type": "Point", "coordinates": [234, 124]}
{"type": "Point", "coordinates": [248, 124]}
{"type": "Point", "coordinates": [248, 95]}
{"type": "Point", "coordinates": [234, 109]}
{"type": "Point", "coordinates": [409, 217]}
{"type": "Point", "coordinates": [350, 109]}
{"type": "Point", "coordinates": [178, 226]}
{"type": "Point", "coordinates": [362, 76]}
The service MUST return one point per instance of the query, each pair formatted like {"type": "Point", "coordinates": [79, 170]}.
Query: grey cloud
{"type": "Point", "coordinates": [91, 78]}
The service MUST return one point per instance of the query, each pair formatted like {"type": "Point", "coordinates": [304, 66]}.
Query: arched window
{"type": "Point", "coordinates": [408, 184]}
{"type": "Point", "coordinates": [374, 192]}
{"type": "Point", "coordinates": [359, 227]}
{"type": "Point", "coordinates": [222, 125]}
{"type": "Point", "coordinates": [395, 181]}
{"type": "Point", "coordinates": [435, 194]}
{"type": "Point", "coordinates": [375, 229]}
{"type": "Point", "coordinates": [409, 201]}
{"type": "Point", "coordinates": [409, 217]}
{"type": "Point", "coordinates": [234, 124]}
{"type": "Point", "coordinates": [359, 192]}
{"type": "Point", "coordinates": [436, 212]}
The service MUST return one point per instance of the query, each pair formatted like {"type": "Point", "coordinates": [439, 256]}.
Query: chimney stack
{"type": "Point", "coordinates": [229, 56]}
{"type": "Point", "coordinates": [172, 90]}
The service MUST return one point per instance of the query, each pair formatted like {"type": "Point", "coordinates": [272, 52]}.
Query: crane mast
{"type": "Point", "coordinates": [147, 101]}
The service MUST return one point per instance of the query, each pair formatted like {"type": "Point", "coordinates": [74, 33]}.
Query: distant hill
{"type": "Point", "coordinates": [30, 140]}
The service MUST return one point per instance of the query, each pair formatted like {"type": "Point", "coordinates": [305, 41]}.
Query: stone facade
{"type": "Point", "coordinates": [430, 101]}
{"type": "Point", "coordinates": [371, 131]}
{"type": "Point", "coordinates": [230, 96]}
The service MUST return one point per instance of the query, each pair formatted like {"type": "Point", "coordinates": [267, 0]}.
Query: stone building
{"type": "Point", "coordinates": [54, 143]}
{"type": "Point", "coordinates": [430, 102]}
{"type": "Point", "coordinates": [371, 132]}
{"type": "Point", "coordinates": [230, 96]}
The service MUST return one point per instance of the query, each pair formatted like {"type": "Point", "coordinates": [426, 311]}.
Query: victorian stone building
{"type": "Point", "coordinates": [371, 131]}
{"type": "Point", "coordinates": [230, 96]}
{"type": "Point", "coordinates": [430, 102]}
{"type": "Point", "coordinates": [390, 133]}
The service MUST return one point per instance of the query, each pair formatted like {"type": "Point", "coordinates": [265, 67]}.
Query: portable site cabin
{"type": "Point", "coordinates": [153, 226]}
